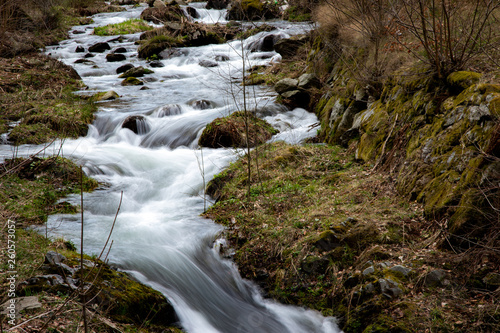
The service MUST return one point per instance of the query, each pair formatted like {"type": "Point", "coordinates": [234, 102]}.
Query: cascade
{"type": "Point", "coordinates": [159, 236]}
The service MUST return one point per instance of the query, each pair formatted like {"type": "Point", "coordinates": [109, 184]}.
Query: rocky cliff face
{"type": "Point", "coordinates": [441, 143]}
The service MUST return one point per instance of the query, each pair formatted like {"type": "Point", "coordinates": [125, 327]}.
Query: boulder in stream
{"type": "Point", "coordinates": [132, 81]}
{"type": "Point", "coordinates": [230, 131]}
{"type": "Point", "coordinates": [136, 72]}
{"type": "Point", "coordinates": [115, 57]}
{"type": "Point", "coordinates": [99, 47]}
{"type": "Point", "coordinates": [137, 124]}
{"type": "Point", "coordinates": [124, 68]}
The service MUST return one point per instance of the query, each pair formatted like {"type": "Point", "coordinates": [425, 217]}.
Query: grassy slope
{"type": "Point", "coordinates": [302, 194]}
{"type": "Point", "coordinates": [36, 91]}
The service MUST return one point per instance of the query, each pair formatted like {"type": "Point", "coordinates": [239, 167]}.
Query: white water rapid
{"type": "Point", "coordinates": [159, 236]}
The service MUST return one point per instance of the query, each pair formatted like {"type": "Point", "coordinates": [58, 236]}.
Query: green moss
{"type": "Point", "coordinates": [438, 195]}
{"type": "Point", "coordinates": [32, 190]}
{"type": "Point", "coordinates": [462, 80]}
{"type": "Point", "coordinates": [230, 131]}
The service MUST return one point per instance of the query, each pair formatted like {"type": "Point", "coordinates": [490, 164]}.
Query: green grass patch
{"type": "Point", "coordinates": [128, 27]}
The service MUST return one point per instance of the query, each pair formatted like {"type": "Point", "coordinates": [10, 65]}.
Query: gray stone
{"type": "Point", "coordinates": [434, 278]}
{"type": "Point", "coordinates": [221, 57]}
{"type": "Point", "coordinates": [389, 288]}
{"type": "Point", "coordinates": [202, 104]}
{"type": "Point", "coordinates": [21, 303]}
{"type": "Point", "coordinates": [477, 113]}
{"type": "Point", "coordinates": [54, 258]}
{"type": "Point", "coordinates": [207, 63]}
{"type": "Point", "coordinates": [369, 270]}
{"type": "Point", "coordinates": [156, 64]}
{"type": "Point", "coordinates": [307, 81]}
{"type": "Point", "coordinates": [285, 85]}
{"type": "Point", "coordinates": [401, 269]}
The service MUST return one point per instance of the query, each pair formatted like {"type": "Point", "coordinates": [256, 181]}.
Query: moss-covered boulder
{"type": "Point", "coordinates": [461, 80]}
{"type": "Point", "coordinates": [132, 81]}
{"type": "Point", "coordinates": [251, 10]}
{"type": "Point", "coordinates": [159, 15]}
{"type": "Point", "coordinates": [231, 131]}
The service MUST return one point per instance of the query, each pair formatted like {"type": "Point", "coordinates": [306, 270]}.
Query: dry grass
{"type": "Point", "coordinates": [298, 193]}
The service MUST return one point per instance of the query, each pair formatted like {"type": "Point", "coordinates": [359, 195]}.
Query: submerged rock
{"type": "Point", "coordinates": [137, 124]}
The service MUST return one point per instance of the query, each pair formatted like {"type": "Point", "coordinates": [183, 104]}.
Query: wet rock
{"type": "Point", "coordinates": [307, 81]}
{"type": "Point", "coordinates": [286, 84]}
{"type": "Point", "coordinates": [132, 81]}
{"type": "Point", "coordinates": [144, 88]}
{"type": "Point", "coordinates": [99, 47]}
{"type": "Point", "coordinates": [172, 53]}
{"type": "Point", "coordinates": [78, 32]}
{"type": "Point", "coordinates": [137, 124]}
{"type": "Point", "coordinates": [156, 64]}
{"type": "Point", "coordinates": [89, 55]}
{"type": "Point", "coordinates": [207, 63]}
{"type": "Point", "coordinates": [221, 57]}
{"type": "Point", "coordinates": [136, 72]}
{"type": "Point", "coordinates": [124, 68]}
{"type": "Point", "coordinates": [202, 104]}
{"type": "Point", "coordinates": [296, 98]}
{"type": "Point", "coordinates": [120, 50]}
{"type": "Point", "coordinates": [107, 96]}
{"type": "Point", "coordinates": [115, 57]}
{"type": "Point", "coordinates": [434, 278]}
{"type": "Point", "coordinates": [192, 12]}
{"type": "Point", "coordinates": [84, 61]}
{"type": "Point", "coordinates": [288, 47]}
{"type": "Point", "coordinates": [80, 49]}
{"type": "Point", "coordinates": [168, 110]}
{"type": "Point", "coordinates": [326, 241]}
{"type": "Point", "coordinates": [217, 4]}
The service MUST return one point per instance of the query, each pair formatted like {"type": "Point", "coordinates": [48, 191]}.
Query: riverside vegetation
{"type": "Point", "coordinates": [392, 226]}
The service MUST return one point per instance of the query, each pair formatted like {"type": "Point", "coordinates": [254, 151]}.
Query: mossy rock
{"type": "Point", "coordinates": [251, 10]}
{"type": "Point", "coordinates": [462, 80]}
{"type": "Point", "coordinates": [172, 13]}
{"type": "Point", "coordinates": [132, 81]}
{"type": "Point", "coordinates": [230, 131]}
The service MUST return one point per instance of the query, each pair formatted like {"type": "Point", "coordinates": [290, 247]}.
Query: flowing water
{"type": "Point", "coordinates": [159, 236]}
